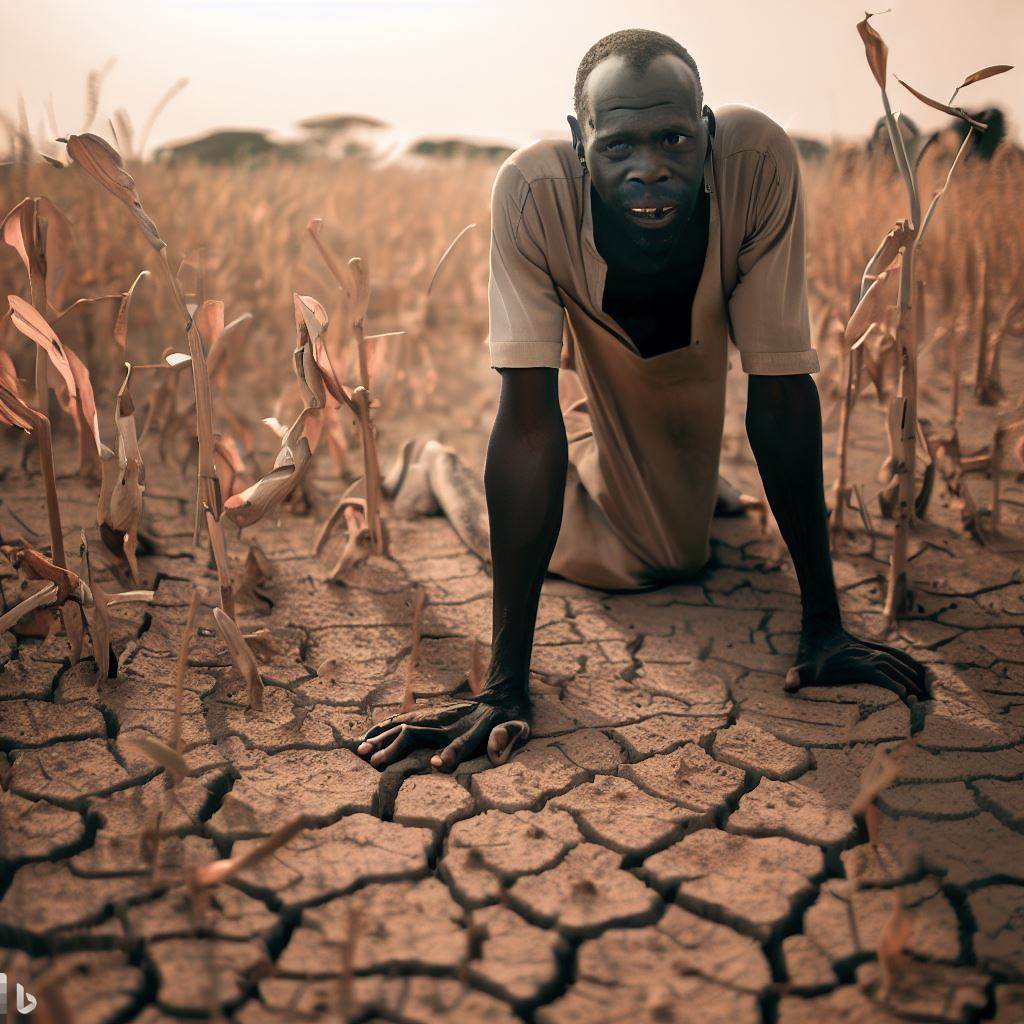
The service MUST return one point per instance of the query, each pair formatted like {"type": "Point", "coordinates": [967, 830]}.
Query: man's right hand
{"type": "Point", "coordinates": [498, 718]}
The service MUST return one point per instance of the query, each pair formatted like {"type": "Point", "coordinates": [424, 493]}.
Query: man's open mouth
{"type": "Point", "coordinates": [651, 214]}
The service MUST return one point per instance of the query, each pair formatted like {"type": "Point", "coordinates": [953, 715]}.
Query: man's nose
{"type": "Point", "coordinates": [649, 170]}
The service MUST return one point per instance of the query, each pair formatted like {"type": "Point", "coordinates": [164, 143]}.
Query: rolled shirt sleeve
{"type": "Point", "coordinates": [768, 307]}
{"type": "Point", "coordinates": [525, 314]}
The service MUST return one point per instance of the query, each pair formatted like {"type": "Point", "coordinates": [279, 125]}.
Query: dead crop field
{"type": "Point", "coordinates": [206, 602]}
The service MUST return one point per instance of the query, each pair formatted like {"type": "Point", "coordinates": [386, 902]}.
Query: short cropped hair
{"type": "Point", "coordinates": [638, 46]}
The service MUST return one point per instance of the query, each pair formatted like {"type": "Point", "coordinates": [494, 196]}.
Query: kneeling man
{"type": "Point", "coordinates": [660, 231]}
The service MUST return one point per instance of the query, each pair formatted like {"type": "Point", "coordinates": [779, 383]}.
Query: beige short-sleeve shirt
{"type": "Point", "coordinates": [537, 198]}
{"type": "Point", "coordinates": [645, 435]}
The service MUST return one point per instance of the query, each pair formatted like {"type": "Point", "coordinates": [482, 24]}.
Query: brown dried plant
{"type": "Point", "coordinates": [104, 165]}
{"type": "Point", "coordinates": [903, 431]}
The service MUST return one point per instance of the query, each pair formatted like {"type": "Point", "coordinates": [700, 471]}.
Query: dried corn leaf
{"type": "Point", "coordinates": [121, 323]}
{"type": "Point", "coordinates": [206, 875]}
{"type": "Point", "coordinates": [98, 619]}
{"type": "Point", "coordinates": [242, 657]}
{"type": "Point", "coordinates": [875, 50]}
{"type": "Point", "coordinates": [263, 644]}
{"type": "Point", "coordinates": [227, 345]}
{"type": "Point", "coordinates": [872, 306]}
{"type": "Point", "coordinates": [104, 165]}
{"type": "Point", "coordinates": [445, 255]}
{"type": "Point", "coordinates": [82, 408]}
{"type": "Point", "coordinates": [160, 754]}
{"type": "Point", "coordinates": [43, 598]}
{"type": "Point", "coordinates": [955, 111]}
{"type": "Point", "coordinates": [13, 411]}
{"type": "Point", "coordinates": [34, 565]}
{"type": "Point", "coordinates": [58, 241]}
{"type": "Point", "coordinates": [898, 236]}
{"type": "Point", "coordinates": [33, 325]}
{"type": "Point", "coordinates": [264, 496]}
{"type": "Point", "coordinates": [19, 232]}
{"type": "Point", "coordinates": [989, 72]}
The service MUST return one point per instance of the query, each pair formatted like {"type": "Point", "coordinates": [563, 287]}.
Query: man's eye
{"type": "Point", "coordinates": [616, 147]}
{"type": "Point", "coordinates": [674, 139]}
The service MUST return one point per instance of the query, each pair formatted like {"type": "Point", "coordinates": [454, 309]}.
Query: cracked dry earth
{"type": "Point", "coordinates": [674, 843]}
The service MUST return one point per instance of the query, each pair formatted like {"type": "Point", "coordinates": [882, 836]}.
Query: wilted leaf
{"type": "Point", "coordinates": [990, 72]}
{"type": "Point", "coordinates": [871, 308]}
{"type": "Point", "coordinates": [898, 236]}
{"type": "Point", "coordinates": [19, 232]}
{"type": "Point", "coordinates": [222, 870]}
{"type": "Point", "coordinates": [103, 164]}
{"type": "Point", "coordinates": [875, 49]}
{"type": "Point", "coordinates": [445, 255]}
{"type": "Point", "coordinates": [121, 323]}
{"type": "Point", "coordinates": [98, 620]}
{"type": "Point", "coordinates": [44, 597]}
{"type": "Point", "coordinates": [82, 408]}
{"type": "Point", "coordinates": [13, 411]}
{"type": "Point", "coordinates": [269, 491]}
{"type": "Point", "coordinates": [57, 241]}
{"type": "Point", "coordinates": [955, 111]}
{"type": "Point", "coordinates": [242, 657]}
{"type": "Point", "coordinates": [231, 339]}
{"type": "Point", "coordinates": [33, 325]}
{"type": "Point", "coordinates": [160, 754]}
{"type": "Point", "coordinates": [34, 565]}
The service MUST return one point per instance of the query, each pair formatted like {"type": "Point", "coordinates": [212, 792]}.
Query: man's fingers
{"type": "Point", "coordinates": [907, 659]}
{"type": "Point", "coordinates": [380, 735]}
{"type": "Point", "coordinates": [506, 739]}
{"type": "Point", "coordinates": [409, 738]}
{"type": "Point", "coordinates": [385, 725]}
{"type": "Point", "coordinates": [465, 744]}
{"type": "Point", "coordinates": [889, 677]}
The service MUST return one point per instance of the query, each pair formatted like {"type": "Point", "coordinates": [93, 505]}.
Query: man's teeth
{"type": "Point", "coordinates": [650, 211]}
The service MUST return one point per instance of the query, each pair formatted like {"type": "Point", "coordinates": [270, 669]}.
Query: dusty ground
{"type": "Point", "coordinates": [674, 844]}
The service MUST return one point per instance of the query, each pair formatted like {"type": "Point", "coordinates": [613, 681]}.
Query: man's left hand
{"type": "Point", "coordinates": [833, 657]}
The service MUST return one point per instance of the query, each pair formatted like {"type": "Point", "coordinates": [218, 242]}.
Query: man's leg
{"type": "Point", "coordinates": [430, 478]}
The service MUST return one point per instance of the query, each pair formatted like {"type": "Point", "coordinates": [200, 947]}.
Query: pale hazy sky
{"type": "Point", "coordinates": [499, 69]}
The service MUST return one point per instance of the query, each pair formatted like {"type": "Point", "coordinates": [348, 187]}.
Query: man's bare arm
{"type": "Point", "coordinates": [524, 481]}
{"type": "Point", "coordinates": [784, 428]}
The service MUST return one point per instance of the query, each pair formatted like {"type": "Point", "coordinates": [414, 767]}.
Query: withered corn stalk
{"type": "Point", "coordinates": [104, 165]}
{"type": "Point", "coordinates": [15, 412]}
{"type": "Point", "coordinates": [355, 289]}
{"type": "Point", "coordinates": [903, 406]}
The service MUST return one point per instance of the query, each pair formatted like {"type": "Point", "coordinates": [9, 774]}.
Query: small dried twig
{"type": "Point", "coordinates": [408, 698]}
{"type": "Point", "coordinates": [892, 943]}
{"type": "Point", "coordinates": [180, 667]}
{"type": "Point", "coordinates": [204, 876]}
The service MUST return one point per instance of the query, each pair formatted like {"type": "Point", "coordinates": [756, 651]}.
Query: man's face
{"type": "Point", "coordinates": [647, 147]}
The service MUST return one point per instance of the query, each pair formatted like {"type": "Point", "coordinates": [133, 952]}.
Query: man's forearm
{"type": "Point", "coordinates": [524, 481]}
{"type": "Point", "coordinates": [784, 428]}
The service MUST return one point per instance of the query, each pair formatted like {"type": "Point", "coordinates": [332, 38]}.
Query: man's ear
{"type": "Point", "coordinates": [709, 116]}
{"type": "Point", "coordinates": [577, 135]}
